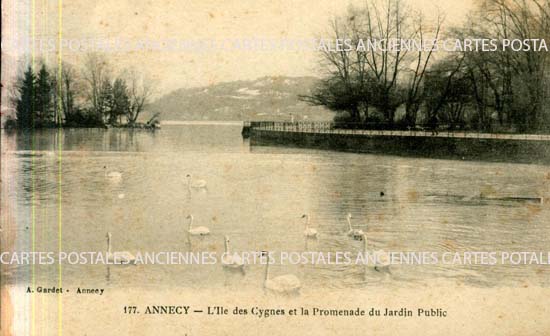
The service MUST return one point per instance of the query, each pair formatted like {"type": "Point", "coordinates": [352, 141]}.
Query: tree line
{"type": "Point", "coordinates": [501, 90]}
{"type": "Point", "coordinates": [88, 97]}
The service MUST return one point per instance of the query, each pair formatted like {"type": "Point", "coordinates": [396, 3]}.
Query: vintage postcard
{"type": "Point", "coordinates": [202, 167]}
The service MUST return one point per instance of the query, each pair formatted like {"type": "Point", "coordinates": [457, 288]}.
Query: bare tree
{"type": "Point", "coordinates": [524, 20]}
{"type": "Point", "coordinates": [386, 20]}
{"type": "Point", "coordinates": [140, 90]}
{"type": "Point", "coordinates": [68, 90]}
{"type": "Point", "coordinates": [510, 83]}
{"type": "Point", "coordinates": [446, 90]}
{"type": "Point", "coordinates": [96, 72]}
{"type": "Point", "coordinates": [361, 77]}
{"type": "Point", "coordinates": [343, 89]}
{"type": "Point", "coordinates": [422, 61]}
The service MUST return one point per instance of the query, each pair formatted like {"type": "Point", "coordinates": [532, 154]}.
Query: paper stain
{"type": "Point", "coordinates": [532, 211]}
{"type": "Point", "coordinates": [412, 196]}
{"type": "Point", "coordinates": [449, 244]}
{"type": "Point", "coordinates": [488, 190]}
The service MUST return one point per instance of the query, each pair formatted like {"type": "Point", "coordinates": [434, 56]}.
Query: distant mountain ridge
{"type": "Point", "coordinates": [266, 98]}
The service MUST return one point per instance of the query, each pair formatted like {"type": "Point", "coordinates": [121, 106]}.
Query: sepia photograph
{"type": "Point", "coordinates": [199, 167]}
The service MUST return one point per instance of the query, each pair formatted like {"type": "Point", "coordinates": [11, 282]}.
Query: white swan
{"type": "Point", "coordinates": [383, 261]}
{"type": "Point", "coordinates": [197, 184]}
{"type": "Point", "coordinates": [283, 284]}
{"type": "Point", "coordinates": [196, 231]}
{"type": "Point", "coordinates": [114, 176]}
{"type": "Point", "coordinates": [309, 232]}
{"type": "Point", "coordinates": [229, 260]}
{"type": "Point", "coordinates": [354, 233]}
{"type": "Point", "coordinates": [381, 258]}
{"type": "Point", "coordinates": [118, 257]}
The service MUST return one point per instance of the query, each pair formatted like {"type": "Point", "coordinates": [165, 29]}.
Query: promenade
{"type": "Point", "coordinates": [329, 128]}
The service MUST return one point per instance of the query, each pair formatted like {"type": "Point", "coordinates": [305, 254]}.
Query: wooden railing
{"type": "Point", "coordinates": [322, 127]}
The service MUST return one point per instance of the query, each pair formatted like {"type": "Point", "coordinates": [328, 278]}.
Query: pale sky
{"type": "Point", "coordinates": [194, 20]}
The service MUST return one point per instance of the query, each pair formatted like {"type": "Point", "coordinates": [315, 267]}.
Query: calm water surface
{"type": "Point", "coordinates": [256, 196]}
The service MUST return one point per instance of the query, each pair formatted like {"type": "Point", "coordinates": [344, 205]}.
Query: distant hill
{"type": "Point", "coordinates": [266, 98]}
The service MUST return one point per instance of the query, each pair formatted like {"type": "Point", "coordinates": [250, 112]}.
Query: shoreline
{"type": "Point", "coordinates": [493, 147]}
{"type": "Point", "coordinates": [106, 127]}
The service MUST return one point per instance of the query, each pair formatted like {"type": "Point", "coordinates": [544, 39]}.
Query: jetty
{"type": "Point", "coordinates": [464, 145]}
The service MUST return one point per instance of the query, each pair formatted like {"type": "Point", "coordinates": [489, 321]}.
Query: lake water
{"type": "Point", "coordinates": [256, 196]}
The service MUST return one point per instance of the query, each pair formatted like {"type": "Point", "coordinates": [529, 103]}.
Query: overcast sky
{"type": "Point", "coordinates": [195, 20]}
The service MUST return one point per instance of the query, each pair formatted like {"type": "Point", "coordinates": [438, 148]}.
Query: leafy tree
{"type": "Point", "coordinates": [43, 107]}
{"type": "Point", "coordinates": [351, 97]}
{"type": "Point", "coordinates": [105, 100]}
{"type": "Point", "coordinates": [48, 97]}
{"type": "Point", "coordinates": [121, 102]}
{"type": "Point", "coordinates": [68, 92]}
{"type": "Point", "coordinates": [24, 103]}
